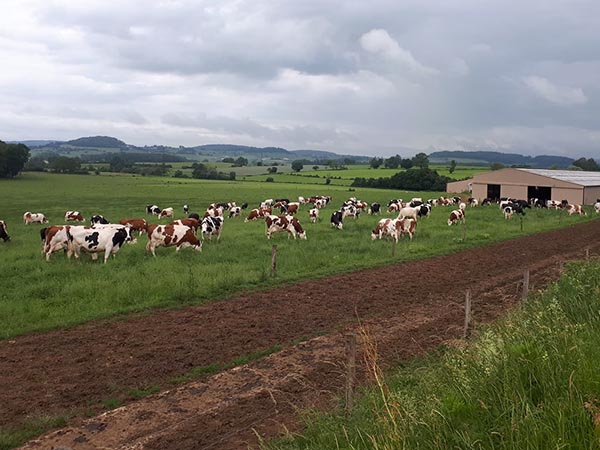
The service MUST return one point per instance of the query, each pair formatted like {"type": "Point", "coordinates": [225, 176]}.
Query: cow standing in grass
{"type": "Point", "coordinates": [171, 235]}
{"type": "Point", "coordinates": [4, 231]}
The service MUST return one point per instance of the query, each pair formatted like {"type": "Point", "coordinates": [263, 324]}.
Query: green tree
{"type": "Point", "coordinates": [421, 160]}
{"type": "Point", "coordinates": [64, 164]}
{"type": "Point", "coordinates": [497, 166]}
{"type": "Point", "coordinates": [315, 167]}
{"type": "Point", "coordinates": [452, 167]}
{"type": "Point", "coordinates": [406, 163]}
{"type": "Point", "coordinates": [392, 162]}
{"type": "Point", "coordinates": [239, 162]}
{"type": "Point", "coordinates": [587, 164]}
{"type": "Point", "coordinates": [297, 165]}
{"type": "Point", "coordinates": [375, 163]}
{"type": "Point", "coordinates": [12, 159]}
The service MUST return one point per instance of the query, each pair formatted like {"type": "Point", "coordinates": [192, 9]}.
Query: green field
{"type": "Point", "coordinates": [38, 295]}
{"type": "Point", "coordinates": [345, 177]}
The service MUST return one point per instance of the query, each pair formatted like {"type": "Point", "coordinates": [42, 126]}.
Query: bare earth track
{"type": "Point", "coordinates": [407, 309]}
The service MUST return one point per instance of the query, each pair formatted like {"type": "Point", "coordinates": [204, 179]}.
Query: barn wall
{"type": "Point", "coordinates": [591, 194]}
{"type": "Point", "coordinates": [479, 191]}
{"type": "Point", "coordinates": [519, 177]}
{"type": "Point", "coordinates": [574, 195]}
{"type": "Point", "coordinates": [459, 186]}
{"type": "Point", "coordinates": [513, 191]}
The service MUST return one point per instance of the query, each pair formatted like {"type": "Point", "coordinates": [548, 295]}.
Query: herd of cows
{"type": "Point", "coordinates": [102, 236]}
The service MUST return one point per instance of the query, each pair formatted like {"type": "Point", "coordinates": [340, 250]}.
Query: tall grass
{"type": "Point", "coordinates": [38, 295]}
{"type": "Point", "coordinates": [531, 381]}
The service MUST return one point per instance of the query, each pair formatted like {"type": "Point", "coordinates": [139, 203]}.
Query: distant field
{"type": "Point", "coordinates": [345, 177]}
{"type": "Point", "coordinates": [37, 295]}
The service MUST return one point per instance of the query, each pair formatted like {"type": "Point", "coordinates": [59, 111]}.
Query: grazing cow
{"type": "Point", "coordinates": [4, 231]}
{"type": "Point", "coordinates": [302, 200]}
{"type": "Point", "coordinates": [169, 235]}
{"type": "Point", "coordinates": [73, 216]}
{"type": "Point", "coordinates": [487, 201]}
{"type": "Point", "coordinates": [212, 226]}
{"type": "Point", "coordinates": [458, 215]}
{"type": "Point", "coordinates": [320, 203]}
{"type": "Point", "coordinates": [417, 201]}
{"type": "Point", "coordinates": [98, 219]}
{"type": "Point", "coordinates": [54, 238]}
{"type": "Point", "coordinates": [433, 201]}
{"type": "Point", "coordinates": [290, 208]}
{"type": "Point", "coordinates": [167, 212]}
{"type": "Point", "coordinates": [236, 211]}
{"type": "Point", "coordinates": [153, 209]}
{"type": "Point", "coordinates": [597, 206]}
{"type": "Point", "coordinates": [194, 216]}
{"type": "Point", "coordinates": [336, 220]}
{"type": "Point", "coordinates": [375, 208]}
{"type": "Point", "coordinates": [96, 240]}
{"type": "Point", "coordinates": [258, 213]}
{"type": "Point", "coordinates": [214, 211]}
{"type": "Point", "coordinates": [192, 223]}
{"type": "Point", "coordinates": [313, 215]}
{"type": "Point", "coordinates": [395, 201]}
{"type": "Point", "coordinates": [381, 229]}
{"type": "Point", "coordinates": [289, 224]}
{"type": "Point", "coordinates": [244, 205]}
{"type": "Point", "coordinates": [462, 206]}
{"type": "Point", "coordinates": [139, 225]}
{"type": "Point", "coordinates": [350, 211]}
{"type": "Point", "coordinates": [407, 211]}
{"type": "Point", "coordinates": [473, 202]}
{"type": "Point", "coordinates": [552, 204]}
{"type": "Point", "coordinates": [267, 203]}
{"type": "Point", "coordinates": [30, 217]}
{"type": "Point", "coordinates": [186, 209]}
{"type": "Point", "coordinates": [394, 207]}
{"type": "Point", "coordinates": [576, 209]}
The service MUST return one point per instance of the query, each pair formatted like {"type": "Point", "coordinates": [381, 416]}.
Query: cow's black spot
{"type": "Point", "coordinates": [119, 238]}
{"type": "Point", "coordinates": [92, 239]}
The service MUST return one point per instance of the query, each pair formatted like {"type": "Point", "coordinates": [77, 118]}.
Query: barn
{"type": "Point", "coordinates": [576, 187]}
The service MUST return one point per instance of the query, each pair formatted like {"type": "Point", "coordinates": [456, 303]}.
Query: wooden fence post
{"type": "Point", "coordinates": [274, 260]}
{"type": "Point", "coordinates": [350, 370]}
{"type": "Point", "coordinates": [561, 265]}
{"type": "Point", "coordinates": [467, 313]}
{"type": "Point", "coordinates": [393, 247]}
{"type": "Point", "coordinates": [587, 253]}
{"type": "Point", "coordinates": [525, 284]}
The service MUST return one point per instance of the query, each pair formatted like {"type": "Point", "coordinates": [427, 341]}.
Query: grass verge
{"type": "Point", "coordinates": [530, 381]}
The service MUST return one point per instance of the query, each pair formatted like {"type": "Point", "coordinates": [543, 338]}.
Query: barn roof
{"type": "Point", "coordinates": [579, 177]}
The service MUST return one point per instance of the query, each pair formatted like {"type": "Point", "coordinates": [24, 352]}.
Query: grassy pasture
{"type": "Point", "coordinates": [37, 295]}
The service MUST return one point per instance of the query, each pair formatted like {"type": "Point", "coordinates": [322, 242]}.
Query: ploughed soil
{"type": "Point", "coordinates": [404, 309]}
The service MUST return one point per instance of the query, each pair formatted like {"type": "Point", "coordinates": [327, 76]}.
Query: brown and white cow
{"type": "Point", "coordinates": [214, 210]}
{"type": "Point", "coordinates": [404, 227]}
{"type": "Point", "coordinates": [167, 212]}
{"type": "Point", "coordinates": [139, 225]}
{"type": "Point", "coordinates": [381, 229]}
{"type": "Point", "coordinates": [289, 224]}
{"type": "Point", "coordinates": [458, 215]}
{"type": "Point", "coordinates": [192, 223]}
{"type": "Point", "coordinates": [258, 213]}
{"type": "Point", "coordinates": [73, 216]}
{"type": "Point", "coordinates": [313, 214]}
{"type": "Point", "coordinates": [576, 209]}
{"type": "Point", "coordinates": [290, 208]}
{"type": "Point", "coordinates": [54, 239]}
{"type": "Point", "coordinates": [171, 235]}
{"type": "Point", "coordinates": [30, 217]}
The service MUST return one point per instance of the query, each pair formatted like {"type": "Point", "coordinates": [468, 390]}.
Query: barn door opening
{"type": "Point", "coordinates": [493, 191]}
{"type": "Point", "coordinates": [542, 192]}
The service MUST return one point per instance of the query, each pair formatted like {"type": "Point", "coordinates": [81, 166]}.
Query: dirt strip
{"type": "Point", "coordinates": [415, 306]}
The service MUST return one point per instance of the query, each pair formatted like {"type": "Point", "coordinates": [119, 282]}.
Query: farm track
{"type": "Point", "coordinates": [407, 308]}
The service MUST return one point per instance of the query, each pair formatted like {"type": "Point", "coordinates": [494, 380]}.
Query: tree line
{"type": "Point", "coordinates": [416, 179]}
{"type": "Point", "coordinates": [12, 159]}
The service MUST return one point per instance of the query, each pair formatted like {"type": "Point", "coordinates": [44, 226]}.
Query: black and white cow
{"type": "Point", "coordinates": [212, 226]}
{"type": "Point", "coordinates": [424, 210]}
{"type": "Point", "coordinates": [597, 206]}
{"type": "Point", "coordinates": [337, 220]}
{"type": "Point", "coordinates": [186, 209]}
{"type": "Point", "coordinates": [374, 209]}
{"type": "Point", "coordinates": [244, 205]}
{"type": "Point", "coordinates": [98, 219]}
{"type": "Point", "coordinates": [4, 231]}
{"type": "Point", "coordinates": [153, 209]}
{"type": "Point", "coordinates": [94, 241]}
{"type": "Point", "coordinates": [236, 211]}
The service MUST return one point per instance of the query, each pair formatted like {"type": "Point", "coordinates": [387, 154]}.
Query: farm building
{"type": "Point", "coordinates": [574, 186]}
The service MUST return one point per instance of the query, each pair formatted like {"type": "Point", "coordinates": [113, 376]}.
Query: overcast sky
{"type": "Point", "coordinates": [359, 77]}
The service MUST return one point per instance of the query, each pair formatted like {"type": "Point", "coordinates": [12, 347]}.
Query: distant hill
{"type": "Point", "coordinates": [97, 142]}
{"type": "Point", "coordinates": [508, 159]}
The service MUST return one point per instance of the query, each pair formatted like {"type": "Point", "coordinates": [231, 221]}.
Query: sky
{"type": "Point", "coordinates": [371, 77]}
